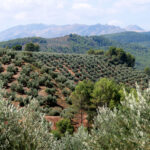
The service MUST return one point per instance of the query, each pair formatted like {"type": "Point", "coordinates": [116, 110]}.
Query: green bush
{"type": "Point", "coordinates": [17, 47]}
{"type": "Point", "coordinates": [33, 92]}
{"type": "Point", "coordinates": [32, 47]}
{"type": "Point", "coordinates": [12, 68]}
{"type": "Point", "coordinates": [23, 79]}
{"type": "Point", "coordinates": [1, 68]}
{"type": "Point", "coordinates": [13, 86]}
{"type": "Point", "coordinates": [6, 59]}
{"type": "Point", "coordinates": [33, 84]}
{"type": "Point", "coordinates": [49, 84]}
{"type": "Point", "coordinates": [64, 126]}
{"type": "Point", "coordinates": [50, 91]}
{"type": "Point", "coordinates": [55, 112]}
{"type": "Point", "coordinates": [23, 134]}
{"type": "Point", "coordinates": [51, 100]}
{"type": "Point", "coordinates": [18, 62]}
{"type": "Point", "coordinates": [65, 92]}
{"type": "Point", "coordinates": [20, 89]}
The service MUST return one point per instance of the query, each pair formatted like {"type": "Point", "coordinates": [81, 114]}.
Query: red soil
{"type": "Point", "coordinates": [42, 91]}
{"type": "Point", "coordinates": [76, 121]}
{"type": "Point", "coordinates": [53, 120]}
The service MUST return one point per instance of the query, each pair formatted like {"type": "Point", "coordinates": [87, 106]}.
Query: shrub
{"type": "Point", "coordinates": [20, 89]}
{"type": "Point", "coordinates": [6, 59]}
{"type": "Point", "coordinates": [64, 126]}
{"type": "Point", "coordinates": [33, 84]}
{"type": "Point", "coordinates": [18, 62]}
{"type": "Point", "coordinates": [51, 100]}
{"type": "Point", "coordinates": [43, 79]}
{"type": "Point", "coordinates": [23, 79]}
{"type": "Point", "coordinates": [17, 47]}
{"type": "Point", "coordinates": [65, 92]}
{"type": "Point", "coordinates": [1, 68]}
{"type": "Point", "coordinates": [41, 100]}
{"type": "Point", "coordinates": [24, 134]}
{"type": "Point", "coordinates": [13, 86]}
{"type": "Point", "coordinates": [48, 84]}
{"type": "Point", "coordinates": [61, 79]}
{"type": "Point", "coordinates": [26, 70]}
{"type": "Point", "coordinates": [45, 69]}
{"type": "Point", "coordinates": [68, 100]}
{"type": "Point", "coordinates": [33, 92]}
{"type": "Point", "coordinates": [12, 68]}
{"type": "Point", "coordinates": [50, 91]}
{"type": "Point", "coordinates": [32, 47]}
{"type": "Point", "coordinates": [55, 112]}
{"type": "Point", "coordinates": [21, 101]}
{"type": "Point", "coordinates": [68, 113]}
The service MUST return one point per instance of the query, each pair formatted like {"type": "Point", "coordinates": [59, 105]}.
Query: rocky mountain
{"type": "Point", "coordinates": [134, 28]}
{"type": "Point", "coordinates": [51, 31]}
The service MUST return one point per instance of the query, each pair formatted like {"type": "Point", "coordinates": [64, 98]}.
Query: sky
{"type": "Point", "coordinates": [61, 12]}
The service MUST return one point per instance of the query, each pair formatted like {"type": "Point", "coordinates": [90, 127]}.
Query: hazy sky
{"type": "Point", "coordinates": [114, 12]}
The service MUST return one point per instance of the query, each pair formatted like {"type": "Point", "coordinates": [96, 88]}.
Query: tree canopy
{"type": "Point", "coordinates": [147, 70]}
{"type": "Point", "coordinates": [17, 47]}
{"type": "Point", "coordinates": [82, 95]}
{"type": "Point", "coordinates": [118, 54]}
{"type": "Point", "coordinates": [32, 47]}
{"type": "Point", "coordinates": [106, 93]}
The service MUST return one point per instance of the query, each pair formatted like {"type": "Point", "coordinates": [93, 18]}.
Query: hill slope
{"type": "Point", "coordinates": [51, 78]}
{"type": "Point", "coordinates": [135, 43]}
{"type": "Point", "coordinates": [130, 37]}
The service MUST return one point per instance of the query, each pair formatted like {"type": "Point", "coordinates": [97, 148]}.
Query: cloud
{"type": "Point", "coordinates": [81, 6]}
{"type": "Point", "coordinates": [115, 23]}
{"type": "Point", "coordinates": [14, 12]}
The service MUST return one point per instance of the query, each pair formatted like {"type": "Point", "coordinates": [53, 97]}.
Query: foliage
{"type": "Point", "coordinates": [6, 59]}
{"type": "Point", "coordinates": [82, 95]}
{"type": "Point", "coordinates": [135, 43]}
{"type": "Point", "coordinates": [106, 93]}
{"type": "Point", "coordinates": [95, 52]}
{"type": "Point", "coordinates": [126, 128]}
{"type": "Point", "coordinates": [17, 47]}
{"type": "Point", "coordinates": [1, 68]}
{"type": "Point", "coordinates": [123, 128]}
{"type": "Point", "coordinates": [121, 56]}
{"type": "Point", "coordinates": [63, 126]}
{"type": "Point", "coordinates": [147, 70]}
{"type": "Point", "coordinates": [24, 128]}
{"type": "Point", "coordinates": [12, 68]}
{"type": "Point", "coordinates": [32, 47]}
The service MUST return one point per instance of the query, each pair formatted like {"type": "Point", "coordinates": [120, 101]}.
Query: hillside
{"type": "Point", "coordinates": [68, 44]}
{"type": "Point", "coordinates": [31, 73]}
{"type": "Point", "coordinates": [51, 31]}
{"type": "Point", "coordinates": [130, 37]}
{"type": "Point", "coordinates": [73, 43]}
{"type": "Point", "coordinates": [51, 78]}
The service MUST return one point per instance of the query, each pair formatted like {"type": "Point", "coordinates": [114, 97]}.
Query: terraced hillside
{"type": "Point", "coordinates": [35, 72]}
{"type": "Point", "coordinates": [51, 78]}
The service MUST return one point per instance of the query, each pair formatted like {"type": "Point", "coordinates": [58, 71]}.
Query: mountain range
{"type": "Point", "coordinates": [52, 31]}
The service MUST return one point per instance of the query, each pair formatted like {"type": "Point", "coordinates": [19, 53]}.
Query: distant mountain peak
{"type": "Point", "coordinates": [135, 28]}
{"type": "Point", "coordinates": [52, 31]}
